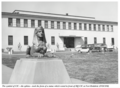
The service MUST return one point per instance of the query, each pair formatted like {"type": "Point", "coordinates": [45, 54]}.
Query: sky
{"type": "Point", "coordinates": [107, 11]}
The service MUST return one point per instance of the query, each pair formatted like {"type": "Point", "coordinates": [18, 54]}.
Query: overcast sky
{"type": "Point", "coordinates": [100, 10]}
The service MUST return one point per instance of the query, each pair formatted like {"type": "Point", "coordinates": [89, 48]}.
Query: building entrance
{"type": "Point", "coordinates": [69, 42]}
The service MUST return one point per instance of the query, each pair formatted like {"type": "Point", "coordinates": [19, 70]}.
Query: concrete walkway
{"type": "Point", "coordinates": [6, 73]}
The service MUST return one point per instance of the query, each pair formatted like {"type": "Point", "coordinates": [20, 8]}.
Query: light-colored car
{"type": "Point", "coordinates": [80, 48]}
{"type": "Point", "coordinates": [77, 48]}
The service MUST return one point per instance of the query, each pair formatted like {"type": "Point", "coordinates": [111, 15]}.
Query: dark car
{"type": "Point", "coordinates": [97, 47]}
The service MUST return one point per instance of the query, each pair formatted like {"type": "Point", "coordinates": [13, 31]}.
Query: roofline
{"type": "Point", "coordinates": [87, 20]}
{"type": "Point", "coordinates": [53, 14]}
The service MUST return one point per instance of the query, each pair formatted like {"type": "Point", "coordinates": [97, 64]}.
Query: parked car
{"type": "Point", "coordinates": [77, 48]}
{"type": "Point", "coordinates": [97, 47]}
{"type": "Point", "coordinates": [110, 48]}
{"type": "Point", "coordinates": [82, 48]}
{"type": "Point", "coordinates": [92, 47]}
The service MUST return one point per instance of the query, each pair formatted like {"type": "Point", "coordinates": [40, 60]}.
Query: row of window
{"type": "Point", "coordinates": [104, 40]}
{"type": "Point", "coordinates": [100, 27]}
{"type": "Point", "coordinates": [10, 40]}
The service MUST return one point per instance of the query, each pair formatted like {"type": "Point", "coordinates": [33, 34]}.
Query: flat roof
{"type": "Point", "coordinates": [50, 14]}
{"type": "Point", "coordinates": [23, 13]}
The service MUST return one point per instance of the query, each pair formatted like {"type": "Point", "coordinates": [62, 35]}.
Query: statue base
{"type": "Point", "coordinates": [39, 71]}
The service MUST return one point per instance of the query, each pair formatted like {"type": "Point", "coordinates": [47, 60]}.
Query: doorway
{"type": "Point", "coordinates": [69, 42]}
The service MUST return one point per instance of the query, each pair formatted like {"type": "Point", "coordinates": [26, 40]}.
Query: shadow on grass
{"type": "Point", "coordinates": [9, 62]}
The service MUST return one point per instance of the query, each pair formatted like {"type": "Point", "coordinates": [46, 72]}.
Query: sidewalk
{"type": "Point", "coordinates": [6, 73]}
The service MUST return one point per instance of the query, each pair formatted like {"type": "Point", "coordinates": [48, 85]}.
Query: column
{"type": "Point", "coordinates": [43, 23]}
{"type": "Point", "coordinates": [61, 25]}
{"type": "Point", "coordinates": [55, 24]}
{"type": "Point", "coordinates": [87, 26]}
{"type": "Point", "coordinates": [36, 23]}
{"type": "Point", "coordinates": [96, 27]}
{"type": "Point", "coordinates": [66, 25]}
{"type": "Point", "coordinates": [82, 24]}
{"type": "Point", "coordinates": [101, 28]}
{"type": "Point", "coordinates": [92, 27]}
{"type": "Point", "coordinates": [77, 25]}
{"type": "Point", "coordinates": [21, 22]}
{"type": "Point", "coordinates": [49, 24]}
{"type": "Point", "coordinates": [72, 26]}
{"type": "Point", "coordinates": [29, 23]}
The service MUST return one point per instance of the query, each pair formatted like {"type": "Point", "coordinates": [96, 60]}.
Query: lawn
{"type": "Point", "coordinates": [97, 68]}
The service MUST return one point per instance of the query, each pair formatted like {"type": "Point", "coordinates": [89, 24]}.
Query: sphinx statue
{"type": "Point", "coordinates": [38, 49]}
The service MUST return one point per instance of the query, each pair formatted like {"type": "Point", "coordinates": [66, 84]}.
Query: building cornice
{"type": "Point", "coordinates": [51, 14]}
{"type": "Point", "coordinates": [58, 18]}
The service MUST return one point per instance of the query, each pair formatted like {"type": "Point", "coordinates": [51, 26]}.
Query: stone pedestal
{"type": "Point", "coordinates": [39, 71]}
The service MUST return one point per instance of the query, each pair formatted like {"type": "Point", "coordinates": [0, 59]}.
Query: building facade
{"type": "Point", "coordinates": [60, 30]}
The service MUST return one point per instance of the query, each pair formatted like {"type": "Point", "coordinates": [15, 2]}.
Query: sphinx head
{"type": "Point", "coordinates": [39, 35]}
{"type": "Point", "coordinates": [39, 32]}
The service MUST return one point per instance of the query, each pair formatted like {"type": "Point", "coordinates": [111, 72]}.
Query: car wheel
{"type": "Point", "coordinates": [79, 51]}
{"type": "Point", "coordinates": [88, 51]}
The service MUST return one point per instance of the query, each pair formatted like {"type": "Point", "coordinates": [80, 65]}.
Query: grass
{"type": "Point", "coordinates": [97, 68]}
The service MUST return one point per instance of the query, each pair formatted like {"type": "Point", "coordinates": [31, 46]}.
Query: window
{"type": "Point", "coordinates": [98, 27]}
{"type": "Point", "coordinates": [32, 23]}
{"type": "Point", "coordinates": [85, 28]}
{"type": "Point", "coordinates": [104, 41]}
{"type": "Point", "coordinates": [94, 27]}
{"type": "Point", "coordinates": [112, 41]}
{"type": "Point", "coordinates": [10, 40]}
{"type": "Point", "coordinates": [39, 23]}
{"type": "Point", "coordinates": [80, 26]}
{"type": "Point", "coordinates": [25, 23]}
{"type": "Point", "coordinates": [25, 40]}
{"type": "Point", "coordinates": [58, 25]}
{"type": "Point", "coordinates": [75, 27]}
{"type": "Point", "coordinates": [46, 24]}
{"type": "Point", "coordinates": [52, 40]}
{"type": "Point", "coordinates": [18, 22]}
{"type": "Point", "coordinates": [69, 25]}
{"type": "Point", "coordinates": [52, 24]}
{"type": "Point", "coordinates": [90, 27]}
{"type": "Point", "coordinates": [107, 27]}
{"type": "Point", "coordinates": [112, 28]}
{"type": "Point", "coordinates": [64, 25]}
{"type": "Point", "coordinates": [95, 40]}
{"type": "Point", "coordinates": [103, 27]}
{"type": "Point", "coordinates": [85, 40]}
{"type": "Point", "coordinates": [10, 22]}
